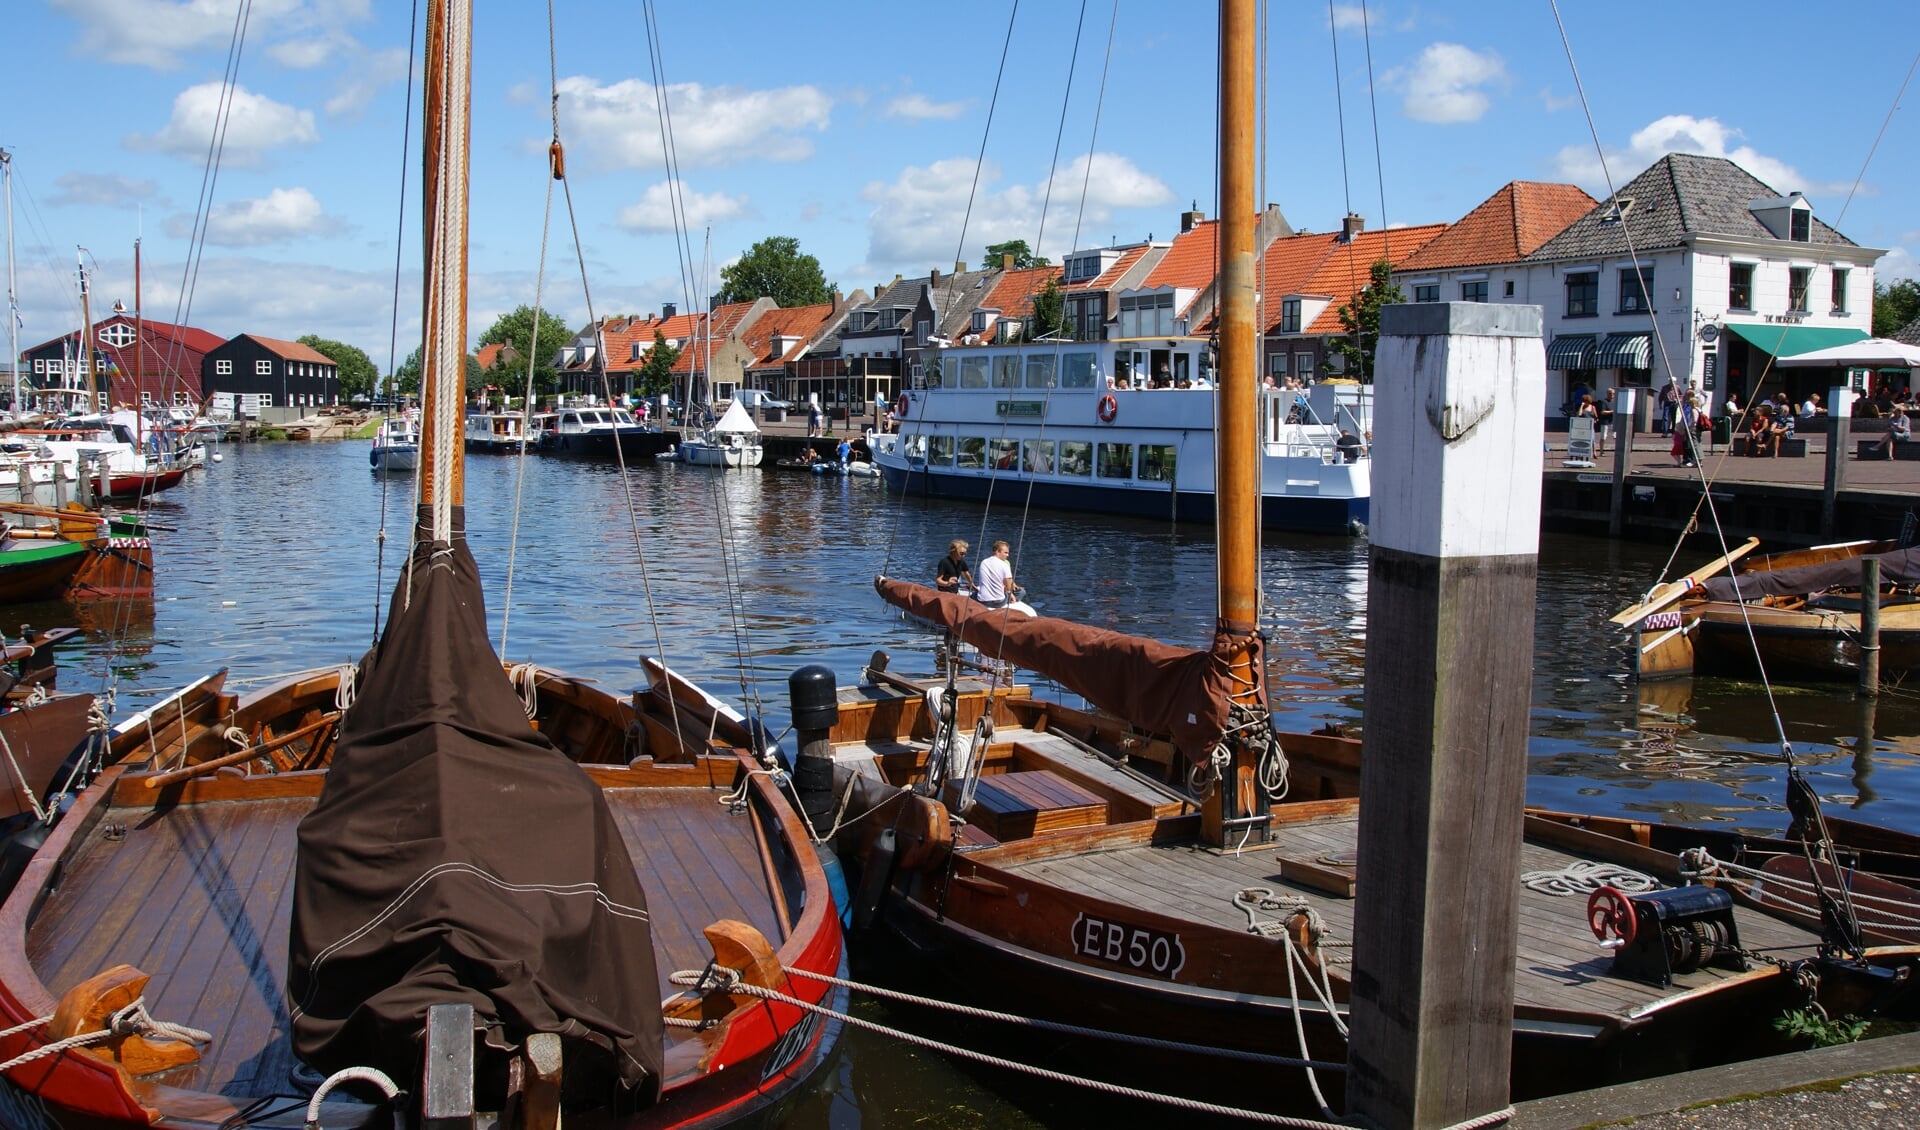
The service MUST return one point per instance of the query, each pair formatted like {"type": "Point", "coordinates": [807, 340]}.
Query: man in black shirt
{"type": "Point", "coordinates": [1349, 445]}
{"type": "Point", "coordinates": [954, 575]}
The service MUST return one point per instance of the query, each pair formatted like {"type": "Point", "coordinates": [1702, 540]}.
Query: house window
{"type": "Point", "coordinates": [1583, 294]}
{"type": "Point", "coordinates": [1473, 291]}
{"type": "Point", "coordinates": [1740, 286]}
{"type": "Point", "coordinates": [1800, 227]}
{"type": "Point", "coordinates": [1427, 292]}
{"type": "Point", "coordinates": [263, 368]}
{"type": "Point", "coordinates": [1277, 364]}
{"type": "Point", "coordinates": [1839, 291]}
{"type": "Point", "coordinates": [922, 331]}
{"type": "Point", "coordinates": [266, 398]}
{"type": "Point", "coordinates": [1798, 279]}
{"type": "Point", "coordinates": [146, 399]}
{"type": "Point", "coordinates": [1303, 366]}
{"type": "Point", "coordinates": [1635, 283]}
{"type": "Point", "coordinates": [40, 365]}
{"type": "Point", "coordinates": [223, 368]}
{"type": "Point", "coordinates": [1290, 316]}
{"type": "Point", "coordinates": [119, 335]}
{"type": "Point", "coordinates": [1509, 288]}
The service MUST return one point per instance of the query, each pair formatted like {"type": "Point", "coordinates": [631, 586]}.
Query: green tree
{"type": "Point", "coordinates": [1023, 256]}
{"type": "Point", "coordinates": [406, 378]}
{"type": "Point", "coordinates": [1895, 306]}
{"type": "Point", "coordinates": [1049, 311]}
{"type": "Point", "coordinates": [1360, 317]}
{"type": "Point", "coordinates": [357, 370]}
{"type": "Point", "coordinates": [774, 268]}
{"type": "Point", "coordinates": [656, 375]}
{"type": "Point", "coordinates": [514, 329]}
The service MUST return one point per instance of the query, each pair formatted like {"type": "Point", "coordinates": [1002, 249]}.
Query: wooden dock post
{"type": "Point", "coordinates": [1869, 626]}
{"type": "Point", "coordinates": [1624, 403]}
{"type": "Point", "coordinates": [1458, 398]}
{"type": "Point", "coordinates": [1839, 436]}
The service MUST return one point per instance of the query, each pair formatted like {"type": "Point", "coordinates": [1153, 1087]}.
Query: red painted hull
{"type": "Point", "coordinates": [131, 485]}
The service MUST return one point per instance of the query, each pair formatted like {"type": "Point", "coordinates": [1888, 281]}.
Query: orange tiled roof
{"type": "Point", "coordinates": [1111, 275]}
{"type": "Point", "coordinates": [716, 327]}
{"type": "Point", "coordinates": [1506, 227]}
{"type": "Point", "coordinates": [802, 322]}
{"type": "Point", "coordinates": [293, 350]}
{"type": "Point", "coordinates": [489, 354]}
{"type": "Point", "coordinates": [1013, 293]}
{"type": "Point", "coordinates": [1191, 262]}
{"type": "Point", "coordinates": [1345, 271]}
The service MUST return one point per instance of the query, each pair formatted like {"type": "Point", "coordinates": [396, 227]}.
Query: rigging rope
{"type": "Point", "coordinates": [393, 326]}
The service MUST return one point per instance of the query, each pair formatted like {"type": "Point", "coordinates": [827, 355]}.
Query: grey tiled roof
{"type": "Point", "coordinates": [1682, 194]}
{"type": "Point", "coordinates": [1909, 333]}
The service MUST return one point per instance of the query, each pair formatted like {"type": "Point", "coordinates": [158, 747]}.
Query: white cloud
{"type": "Point", "coordinates": [305, 54]}
{"type": "Point", "coordinates": [1555, 103]}
{"type": "Point", "coordinates": [919, 107]}
{"type": "Point", "coordinates": [654, 210]}
{"type": "Point", "coordinates": [1679, 133]}
{"type": "Point", "coordinates": [105, 189]}
{"type": "Point", "coordinates": [255, 124]}
{"type": "Point", "coordinates": [156, 33]}
{"type": "Point", "coordinates": [1348, 16]}
{"type": "Point", "coordinates": [616, 125]}
{"type": "Point", "coordinates": [1898, 263]}
{"type": "Point", "coordinates": [1443, 84]}
{"type": "Point", "coordinates": [282, 215]}
{"type": "Point", "coordinates": [366, 75]}
{"type": "Point", "coordinates": [915, 220]}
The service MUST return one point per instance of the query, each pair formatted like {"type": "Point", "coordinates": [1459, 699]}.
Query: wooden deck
{"type": "Point", "coordinates": [200, 896]}
{"type": "Point", "coordinates": [1560, 965]}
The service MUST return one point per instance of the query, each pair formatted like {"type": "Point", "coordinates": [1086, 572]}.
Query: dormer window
{"type": "Point", "coordinates": [1617, 210]}
{"type": "Point", "coordinates": [1800, 229]}
{"type": "Point", "coordinates": [1290, 316]}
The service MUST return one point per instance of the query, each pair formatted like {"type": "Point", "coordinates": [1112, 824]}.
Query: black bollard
{"type": "Point", "coordinates": [814, 695]}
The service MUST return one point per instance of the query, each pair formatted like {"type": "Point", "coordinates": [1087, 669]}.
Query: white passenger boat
{"type": "Point", "coordinates": [1081, 427]}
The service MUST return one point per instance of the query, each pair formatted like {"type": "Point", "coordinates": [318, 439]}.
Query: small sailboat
{"type": "Point", "coordinates": [733, 441]}
{"type": "Point", "coordinates": [506, 892]}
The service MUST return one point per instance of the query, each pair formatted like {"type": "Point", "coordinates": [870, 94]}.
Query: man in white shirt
{"type": "Point", "coordinates": [996, 577]}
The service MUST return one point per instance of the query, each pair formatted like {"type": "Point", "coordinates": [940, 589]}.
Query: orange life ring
{"type": "Point", "coordinates": [902, 406]}
{"type": "Point", "coordinates": [1108, 409]}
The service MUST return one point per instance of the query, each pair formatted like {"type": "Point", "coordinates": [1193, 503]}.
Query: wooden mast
{"type": "Point", "coordinates": [444, 145]}
{"type": "Point", "coordinates": [1236, 804]}
{"type": "Point", "coordinates": [85, 353]}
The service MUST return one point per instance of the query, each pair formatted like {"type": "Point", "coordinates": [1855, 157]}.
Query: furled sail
{"type": "Point", "coordinates": [1901, 567]}
{"type": "Point", "coordinates": [456, 855]}
{"type": "Point", "coordinates": [1180, 692]}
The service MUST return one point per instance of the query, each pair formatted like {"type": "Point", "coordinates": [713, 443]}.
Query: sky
{"type": "Point", "coordinates": [859, 130]}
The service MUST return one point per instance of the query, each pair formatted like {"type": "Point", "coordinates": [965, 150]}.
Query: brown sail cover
{"type": "Point", "coordinates": [1901, 567]}
{"type": "Point", "coordinates": [455, 855]}
{"type": "Point", "coordinates": [1177, 691]}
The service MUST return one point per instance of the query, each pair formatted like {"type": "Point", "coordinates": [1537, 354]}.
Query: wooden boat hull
{"type": "Point", "coordinates": [122, 486]}
{"type": "Point", "coordinates": [1711, 638]}
{"type": "Point", "coordinates": [39, 737]}
{"type": "Point", "coordinates": [212, 856]}
{"type": "Point", "coordinates": [40, 572]}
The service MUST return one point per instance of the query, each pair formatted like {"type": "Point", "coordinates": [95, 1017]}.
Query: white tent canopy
{"type": "Point", "coordinates": [1872, 353]}
{"type": "Point", "coordinates": [736, 420]}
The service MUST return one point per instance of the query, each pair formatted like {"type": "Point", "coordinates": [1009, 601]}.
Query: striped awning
{"type": "Point", "coordinates": [1625, 351]}
{"type": "Point", "coordinates": [1570, 351]}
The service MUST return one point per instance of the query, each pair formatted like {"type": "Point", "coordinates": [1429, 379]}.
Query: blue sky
{"type": "Point", "coordinates": [856, 127]}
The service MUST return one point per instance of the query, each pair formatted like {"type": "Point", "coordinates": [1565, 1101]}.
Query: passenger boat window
{"type": "Point", "coordinates": [1077, 370]}
{"type": "Point", "coordinates": [936, 374]}
{"type": "Point", "coordinates": [1004, 454]}
{"type": "Point", "coordinates": [940, 451]}
{"type": "Point", "coordinates": [973, 452]}
{"type": "Point", "coordinates": [1157, 462]}
{"type": "Point", "coordinates": [916, 448]}
{"type": "Point", "coordinates": [1006, 372]}
{"type": "Point", "coordinates": [1182, 370]}
{"type": "Point", "coordinates": [1039, 456]}
{"type": "Point", "coordinates": [1040, 371]}
{"type": "Point", "coordinates": [1076, 457]}
{"type": "Point", "coordinates": [1116, 461]}
{"type": "Point", "coordinates": [973, 372]}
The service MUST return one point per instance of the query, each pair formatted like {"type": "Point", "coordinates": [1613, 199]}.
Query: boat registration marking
{"type": "Point", "coordinates": [1660, 622]}
{"type": "Point", "coordinates": [1140, 948]}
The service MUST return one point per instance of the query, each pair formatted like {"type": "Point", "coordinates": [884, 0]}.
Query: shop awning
{"type": "Point", "coordinates": [1792, 341]}
{"type": "Point", "coordinates": [1625, 351]}
{"type": "Point", "coordinates": [1570, 351]}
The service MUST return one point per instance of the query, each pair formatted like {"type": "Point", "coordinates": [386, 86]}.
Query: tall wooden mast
{"type": "Point", "coordinates": [1237, 806]}
{"type": "Point", "coordinates": [444, 144]}
{"type": "Point", "coordinates": [85, 353]}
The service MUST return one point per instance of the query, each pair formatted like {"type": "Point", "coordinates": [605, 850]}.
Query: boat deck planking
{"type": "Point", "coordinates": [1560, 966]}
{"type": "Point", "coordinates": [194, 891]}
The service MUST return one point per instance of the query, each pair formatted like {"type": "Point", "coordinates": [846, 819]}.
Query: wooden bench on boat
{"type": "Point", "coordinates": [1015, 806]}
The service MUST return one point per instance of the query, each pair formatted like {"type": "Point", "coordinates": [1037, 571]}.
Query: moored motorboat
{"type": "Point", "coordinates": [602, 433]}
{"type": "Point", "coordinates": [396, 445]}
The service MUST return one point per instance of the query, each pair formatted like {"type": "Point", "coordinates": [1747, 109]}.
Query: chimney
{"type": "Point", "coordinates": [1191, 219]}
{"type": "Point", "coordinates": [959, 266]}
{"type": "Point", "coordinates": [1006, 261]}
{"type": "Point", "coordinates": [1353, 225]}
{"type": "Point", "coordinates": [933, 278]}
{"type": "Point", "coordinates": [668, 310]}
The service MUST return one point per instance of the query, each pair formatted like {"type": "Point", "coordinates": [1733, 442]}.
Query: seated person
{"type": "Point", "coordinates": [1762, 433]}
{"type": "Point", "coordinates": [953, 574]}
{"type": "Point", "coordinates": [1899, 430]}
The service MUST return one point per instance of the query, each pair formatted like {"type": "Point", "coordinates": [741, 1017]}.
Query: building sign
{"type": "Point", "coordinates": [1786, 319]}
{"type": "Point", "coordinates": [1710, 370]}
{"type": "Point", "coordinates": [1020, 407]}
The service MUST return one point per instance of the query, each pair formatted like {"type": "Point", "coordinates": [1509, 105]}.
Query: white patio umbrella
{"type": "Point", "coordinates": [1873, 353]}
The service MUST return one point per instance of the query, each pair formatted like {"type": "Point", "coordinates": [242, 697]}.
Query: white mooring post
{"type": "Point", "coordinates": [1459, 394]}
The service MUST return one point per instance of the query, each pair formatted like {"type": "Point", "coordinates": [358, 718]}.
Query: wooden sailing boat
{"type": "Point", "coordinates": [1171, 867]}
{"type": "Point", "coordinates": [328, 868]}
{"type": "Point", "coordinates": [1797, 613]}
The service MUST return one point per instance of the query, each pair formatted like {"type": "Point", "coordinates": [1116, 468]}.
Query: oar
{"type": "Point", "coordinates": [1675, 589]}
{"type": "Point", "coordinates": [202, 768]}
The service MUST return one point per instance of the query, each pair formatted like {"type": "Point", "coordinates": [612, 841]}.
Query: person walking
{"type": "Point", "coordinates": [952, 574]}
{"type": "Point", "coordinates": [1669, 404]}
{"type": "Point", "coordinates": [996, 585]}
{"type": "Point", "coordinates": [813, 420]}
{"type": "Point", "coordinates": [1683, 425]}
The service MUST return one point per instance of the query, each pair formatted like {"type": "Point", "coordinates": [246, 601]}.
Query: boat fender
{"type": "Point", "coordinates": [902, 406]}
{"type": "Point", "coordinates": [873, 883]}
{"type": "Point", "coordinates": [1108, 409]}
{"type": "Point", "coordinates": [18, 849]}
{"type": "Point", "coordinates": [836, 883]}
{"type": "Point", "coordinates": [373, 458]}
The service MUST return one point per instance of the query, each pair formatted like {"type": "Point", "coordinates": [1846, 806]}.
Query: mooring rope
{"type": "Point", "coordinates": [1583, 877]}
{"type": "Point", "coordinates": [131, 1020]}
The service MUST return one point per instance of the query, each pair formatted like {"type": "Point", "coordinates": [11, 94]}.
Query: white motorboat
{"type": "Point", "coordinates": [396, 446]}
{"type": "Point", "coordinates": [734, 441]}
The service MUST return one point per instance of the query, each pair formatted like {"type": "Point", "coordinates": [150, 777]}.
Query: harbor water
{"type": "Point", "coordinates": [282, 557]}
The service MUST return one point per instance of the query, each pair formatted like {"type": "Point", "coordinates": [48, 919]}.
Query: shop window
{"type": "Point", "coordinates": [1798, 280]}
{"type": "Point", "coordinates": [1740, 286]}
